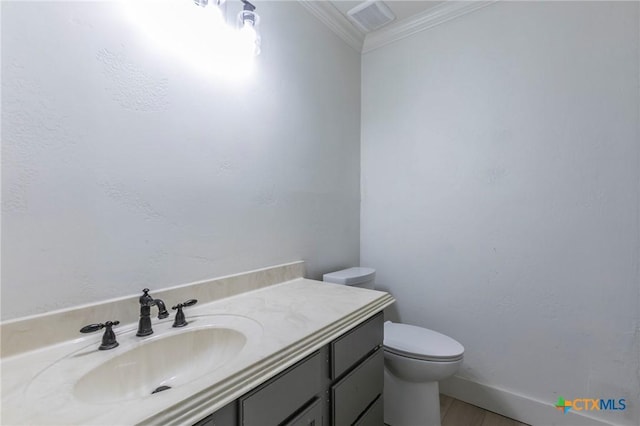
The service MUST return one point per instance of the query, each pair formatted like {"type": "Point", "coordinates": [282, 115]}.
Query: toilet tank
{"type": "Point", "coordinates": [357, 277]}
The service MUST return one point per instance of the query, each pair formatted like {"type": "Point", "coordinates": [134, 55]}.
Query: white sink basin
{"type": "Point", "coordinates": [206, 350]}
{"type": "Point", "coordinates": [170, 361]}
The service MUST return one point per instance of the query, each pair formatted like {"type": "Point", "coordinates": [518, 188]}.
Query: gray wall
{"type": "Point", "coordinates": [501, 182]}
{"type": "Point", "coordinates": [125, 167]}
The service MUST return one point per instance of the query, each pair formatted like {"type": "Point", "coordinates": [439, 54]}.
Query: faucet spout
{"type": "Point", "coordinates": [162, 309]}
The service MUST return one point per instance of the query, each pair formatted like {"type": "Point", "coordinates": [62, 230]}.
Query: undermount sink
{"type": "Point", "coordinates": [160, 364]}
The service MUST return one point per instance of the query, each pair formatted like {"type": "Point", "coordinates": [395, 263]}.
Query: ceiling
{"type": "Point", "coordinates": [411, 17]}
{"type": "Point", "coordinates": [401, 8]}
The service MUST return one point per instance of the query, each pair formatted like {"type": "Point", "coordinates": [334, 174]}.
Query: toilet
{"type": "Point", "coordinates": [415, 360]}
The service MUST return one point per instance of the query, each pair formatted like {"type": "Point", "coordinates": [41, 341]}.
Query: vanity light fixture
{"type": "Point", "coordinates": [199, 34]}
{"type": "Point", "coordinates": [248, 21]}
{"type": "Point", "coordinates": [204, 3]}
{"type": "Point", "coordinates": [216, 7]}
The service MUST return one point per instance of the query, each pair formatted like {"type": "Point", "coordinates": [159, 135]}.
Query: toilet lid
{"type": "Point", "coordinates": [420, 343]}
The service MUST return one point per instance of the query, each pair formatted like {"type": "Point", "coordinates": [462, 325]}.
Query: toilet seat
{"type": "Point", "coordinates": [420, 343]}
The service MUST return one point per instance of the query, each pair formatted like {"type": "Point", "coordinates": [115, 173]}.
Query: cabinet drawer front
{"type": "Point", "coordinates": [355, 345]}
{"type": "Point", "coordinates": [226, 416]}
{"type": "Point", "coordinates": [311, 416]}
{"type": "Point", "coordinates": [283, 395]}
{"type": "Point", "coordinates": [374, 416]}
{"type": "Point", "coordinates": [353, 394]}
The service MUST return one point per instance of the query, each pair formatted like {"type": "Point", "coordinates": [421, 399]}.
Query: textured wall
{"type": "Point", "coordinates": [501, 185]}
{"type": "Point", "coordinates": [124, 168]}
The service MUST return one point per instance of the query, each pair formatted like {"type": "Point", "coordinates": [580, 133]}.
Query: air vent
{"type": "Point", "coordinates": [371, 15]}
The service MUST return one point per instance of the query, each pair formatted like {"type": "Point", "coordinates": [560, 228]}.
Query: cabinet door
{"type": "Point", "coordinates": [311, 416]}
{"type": "Point", "coordinates": [226, 416]}
{"type": "Point", "coordinates": [278, 399]}
{"type": "Point", "coordinates": [355, 345]}
{"type": "Point", "coordinates": [357, 390]}
{"type": "Point", "coordinates": [374, 416]}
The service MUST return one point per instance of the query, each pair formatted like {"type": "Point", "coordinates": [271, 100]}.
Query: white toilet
{"type": "Point", "coordinates": [415, 359]}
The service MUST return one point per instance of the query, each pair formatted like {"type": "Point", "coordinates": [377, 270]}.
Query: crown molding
{"type": "Point", "coordinates": [329, 15]}
{"type": "Point", "coordinates": [332, 18]}
{"type": "Point", "coordinates": [428, 19]}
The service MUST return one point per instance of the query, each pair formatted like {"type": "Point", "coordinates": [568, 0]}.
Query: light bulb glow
{"type": "Point", "coordinates": [249, 40]}
{"type": "Point", "coordinates": [194, 34]}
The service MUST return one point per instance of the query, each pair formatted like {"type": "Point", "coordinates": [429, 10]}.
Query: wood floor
{"type": "Point", "coordinates": [457, 413]}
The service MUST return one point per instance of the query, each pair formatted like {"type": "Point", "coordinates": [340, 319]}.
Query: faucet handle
{"type": "Point", "coordinates": [91, 328]}
{"type": "Point", "coordinates": [95, 327]}
{"type": "Point", "coordinates": [180, 320]}
{"type": "Point", "coordinates": [189, 302]}
{"type": "Point", "coordinates": [108, 338]}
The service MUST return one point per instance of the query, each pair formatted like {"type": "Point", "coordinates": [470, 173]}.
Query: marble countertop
{"type": "Point", "coordinates": [290, 320]}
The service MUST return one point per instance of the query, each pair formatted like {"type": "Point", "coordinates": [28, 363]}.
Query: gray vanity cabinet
{"type": "Point", "coordinates": [357, 373]}
{"type": "Point", "coordinates": [338, 385]}
{"type": "Point", "coordinates": [310, 416]}
{"type": "Point", "coordinates": [226, 416]}
{"type": "Point", "coordinates": [277, 400]}
{"type": "Point", "coordinates": [353, 395]}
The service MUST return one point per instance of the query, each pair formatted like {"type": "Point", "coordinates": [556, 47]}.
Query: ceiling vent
{"type": "Point", "coordinates": [371, 15]}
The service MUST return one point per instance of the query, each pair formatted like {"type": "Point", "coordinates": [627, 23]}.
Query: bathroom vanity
{"type": "Point", "coordinates": [340, 384]}
{"type": "Point", "coordinates": [266, 347]}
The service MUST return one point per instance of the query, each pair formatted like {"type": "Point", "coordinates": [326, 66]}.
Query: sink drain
{"type": "Point", "coordinates": [160, 389]}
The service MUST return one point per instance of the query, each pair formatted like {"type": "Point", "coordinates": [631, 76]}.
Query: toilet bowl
{"type": "Point", "coordinates": [415, 360]}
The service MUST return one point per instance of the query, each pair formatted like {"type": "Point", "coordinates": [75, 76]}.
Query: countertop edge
{"type": "Point", "coordinates": [199, 405]}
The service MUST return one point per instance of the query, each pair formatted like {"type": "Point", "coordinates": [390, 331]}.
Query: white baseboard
{"type": "Point", "coordinates": [515, 406]}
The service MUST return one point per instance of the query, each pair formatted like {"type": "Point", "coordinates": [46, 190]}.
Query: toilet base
{"type": "Point", "coordinates": [410, 403]}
